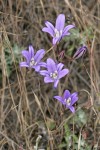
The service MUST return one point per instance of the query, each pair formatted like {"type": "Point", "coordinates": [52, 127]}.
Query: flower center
{"type": "Point", "coordinates": [68, 101]}
{"type": "Point", "coordinates": [32, 62]}
{"type": "Point", "coordinates": [54, 75]}
{"type": "Point", "coordinates": [58, 33]}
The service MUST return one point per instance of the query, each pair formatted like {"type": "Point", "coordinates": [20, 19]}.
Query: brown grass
{"type": "Point", "coordinates": [27, 107]}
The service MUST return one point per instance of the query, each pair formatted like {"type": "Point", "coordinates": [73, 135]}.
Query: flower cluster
{"type": "Point", "coordinates": [53, 71]}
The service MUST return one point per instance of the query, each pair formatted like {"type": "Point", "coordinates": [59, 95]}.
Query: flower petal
{"type": "Point", "coordinates": [68, 33]}
{"type": "Point", "coordinates": [51, 65]}
{"type": "Point", "coordinates": [24, 64]}
{"type": "Point", "coordinates": [72, 109]}
{"type": "Point", "coordinates": [56, 40]}
{"type": "Point", "coordinates": [66, 94]}
{"type": "Point", "coordinates": [59, 98]}
{"type": "Point", "coordinates": [48, 30]}
{"type": "Point", "coordinates": [80, 52]}
{"type": "Point", "coordinates": [42, 64]}
{"type": "Point", "coordinates": [60, 21]}
{"type": "Point", "coordinates": [44, 73]}
{"type": "Point", "coordinates": [26, 55]}
{"type": "Point", "coordinates": [31, 51]}
{"type": "Point", "coordinates": [66, 29]}
{"type": "Point", "coordinates": [74, 94]}
{"type": "Point", "coordinates": [39, 55]}
{"type": "Point", "coordinates": [50, 26]}
{"type": "Point", "coordinates": [48, 79]}
{"type": "Point", "coordinates": [37, 68]}
{"type": "Point", "coordinates": [59, 66]}
{"type": "Point", "coordinates": [63, 72]}
{"type": "Point", "coordinates": [56, 83]}
{"type": "Point", "coordinates": [74, 98]}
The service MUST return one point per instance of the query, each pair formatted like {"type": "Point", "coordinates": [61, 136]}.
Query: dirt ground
{"type": "Point", "coordinates": [29, 114]}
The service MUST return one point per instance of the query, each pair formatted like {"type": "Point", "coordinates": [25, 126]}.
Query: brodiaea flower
{"type": "Point", "coordinates": [57, 32]}
{"type": "Point", "coordinates": [68, 99]}
{"type": "Point", "coordinates": [80, 52]}
{"type": "Point", "coordinates": [33, 60]}
{"type": "Point", "coordinates": [54, 72]}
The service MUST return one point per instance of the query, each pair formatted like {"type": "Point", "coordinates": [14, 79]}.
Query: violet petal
{"type": "Point", "coordinates": [60, 21]}
{"type": "Point", "coordinates": [37, 68]}
{"type": "Point", "coordinates": [56, 83]}
{"type": "Point", "coordinates": [66, 29]}
{"type": "Point", "coordinates": [59, 98]}
{"type": "Point", "coordinates": [51, 65]}
{"type": "Point", "coordinates": [26, 55]}
{"type": "Point", "coordinates": [44, 73]}
{"type": "Point", "coordinates": [24, 64]}
{"type": "Point", "coordinates": [80, 52]}
{"type": "Point", "coordinates": [48, 30]}
{"type": "Point", "coordinates": [74, 98]}
{"type": "Point", "coordinates": [39, 55]}
{"type": "Point", "coordinates": [66, 95]}
{"type": "Point", "coordinates": [72, 109]}
{"type": "Point", "coordinates": [31, 51]}
{"type": "Point", "coordinates": [63, 72]}
{"type": "Point", "coordinates": [55, 40]}
{"type": "Point", "coordinates": [48, 79]}
{"type": "Point", "coordinates": [43, 64]}
{"type": "Point", "coordinates": [59, 66]}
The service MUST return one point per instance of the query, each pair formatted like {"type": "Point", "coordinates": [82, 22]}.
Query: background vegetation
{"type": "Point", "coordinates": [29, 116]}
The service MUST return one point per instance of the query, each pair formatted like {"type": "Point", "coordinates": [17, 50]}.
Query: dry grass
{"type": "Point", "coordinates": [27, 107]}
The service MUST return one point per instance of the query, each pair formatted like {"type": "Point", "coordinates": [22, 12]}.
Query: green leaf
{"type": "Point", "coordinates": [62, 145]}
{"type": "Point", "coordinates": [80, 117]}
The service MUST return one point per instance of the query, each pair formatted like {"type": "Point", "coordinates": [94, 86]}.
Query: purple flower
{"type": "Point", "coordinates": [57, 32]}
{"type": "Point", "coordinates": [68, 99]}
{"type": "Point", "coordinates": [54, 72]}
{"type": "Point", "coordinates": [33, 60]}
{"type": "Point", "coordinates": [80, 52]}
